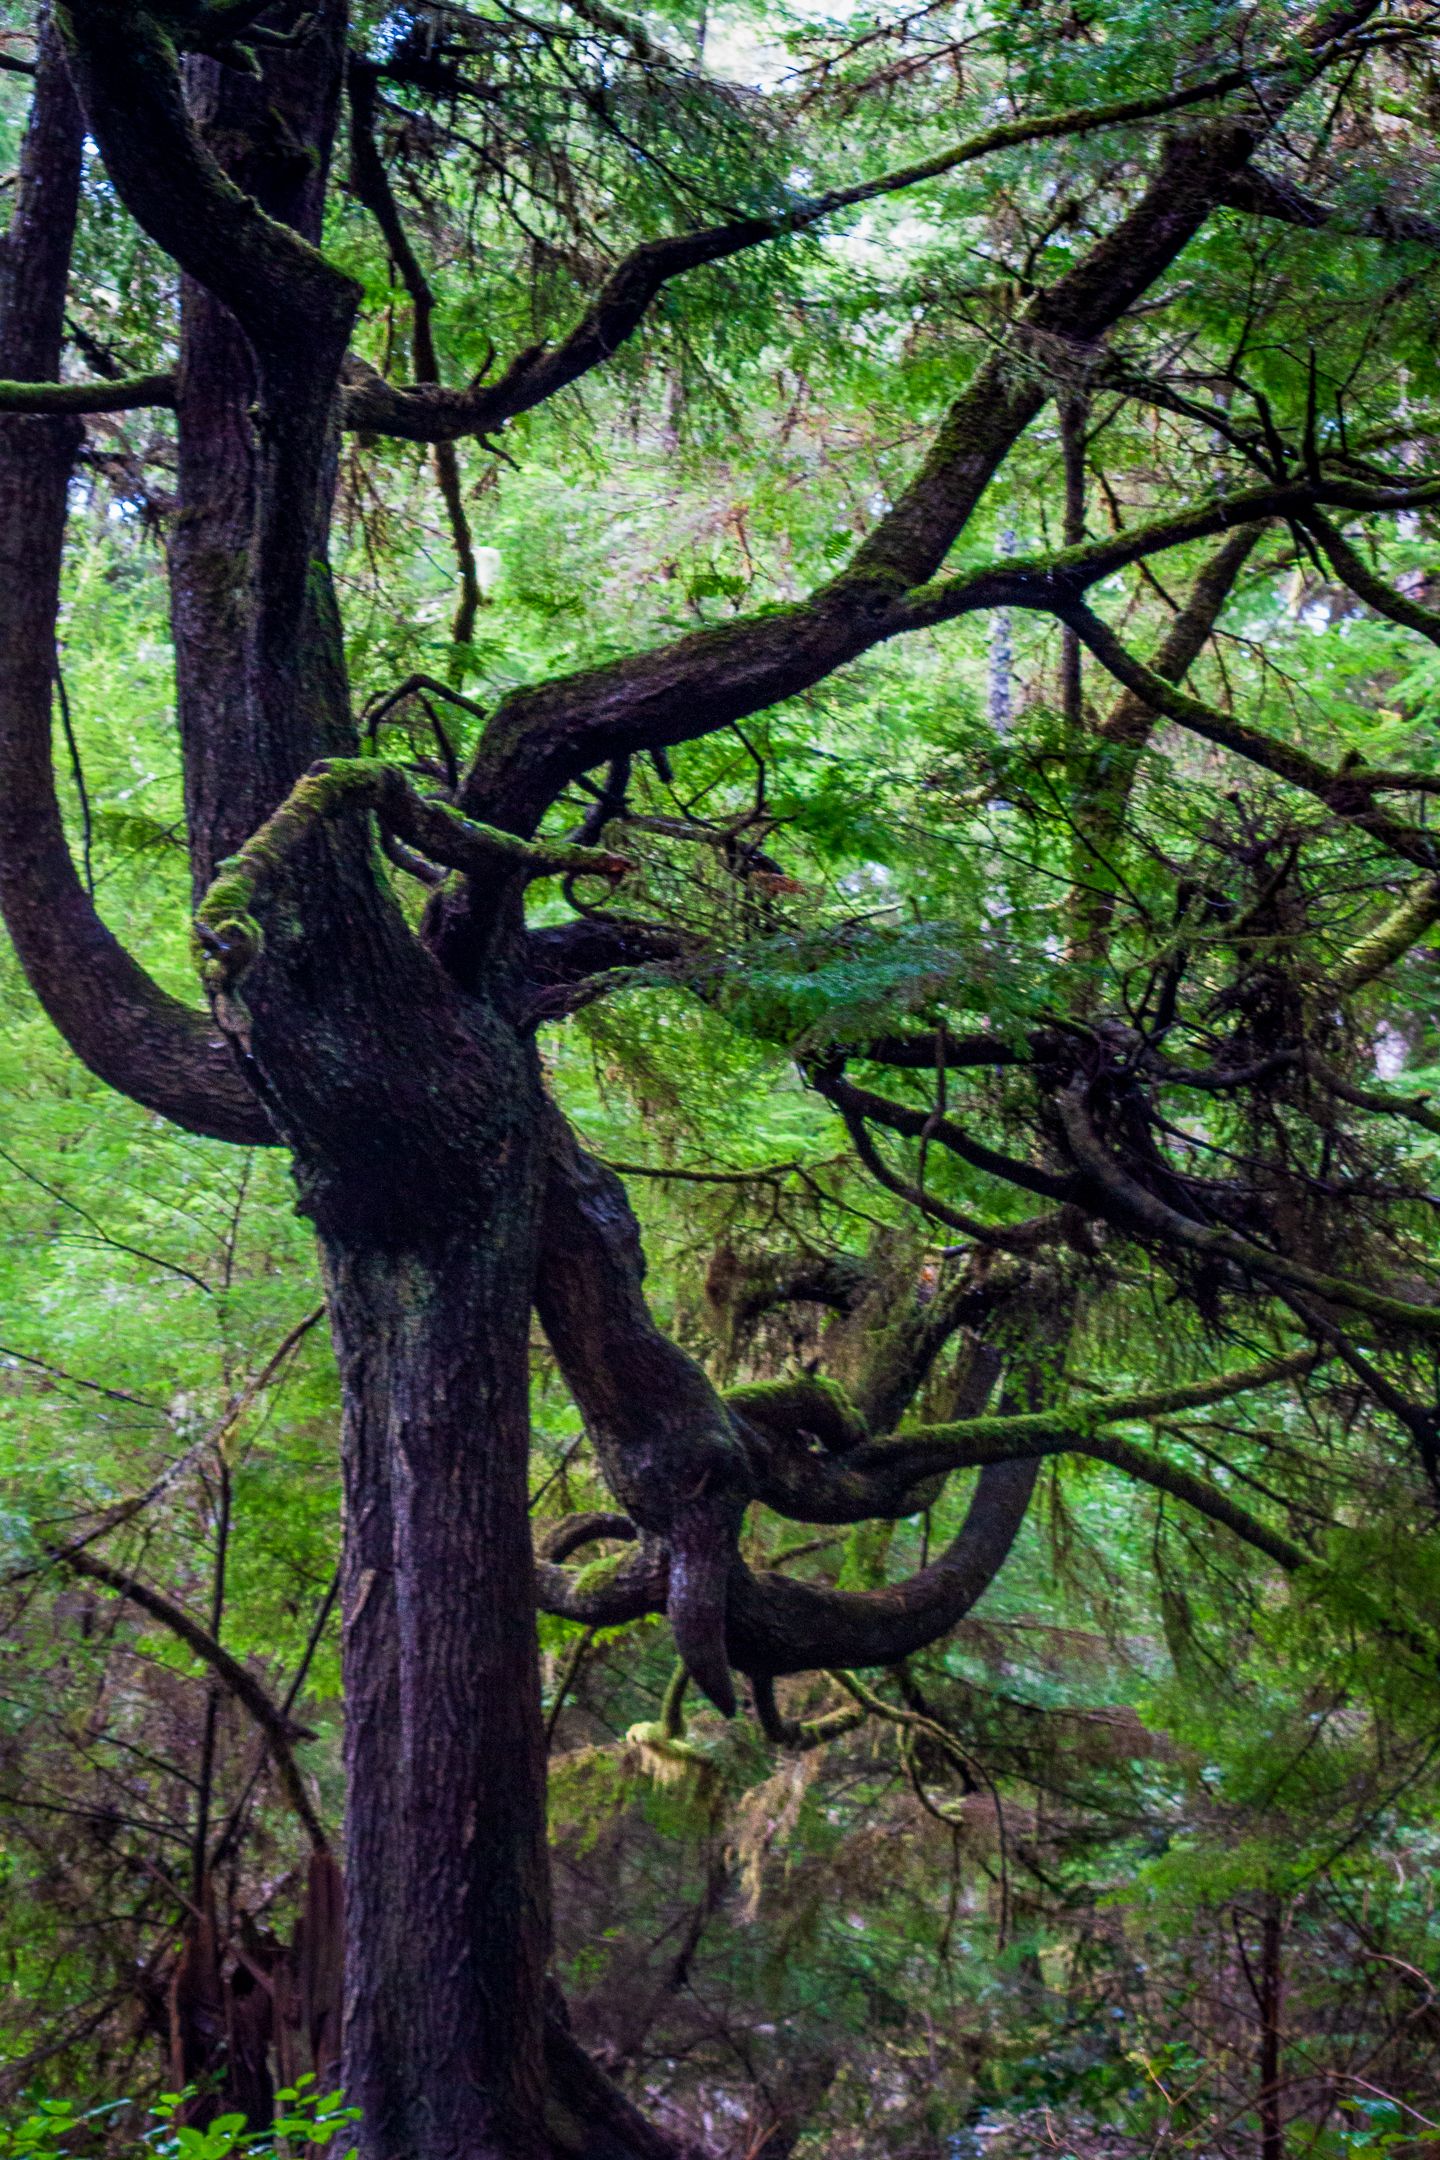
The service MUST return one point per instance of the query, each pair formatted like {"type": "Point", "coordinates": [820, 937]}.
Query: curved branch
{"type": "Point", "coordinates": [541, 739]}
{"type": "Point", "coordinates": [670, 1450]}
{"type": "Point", "coordinates": [607, 1593]}
{"type": "Point", "coordinates": [779, 1625]}
{"type": "Point", "coordinates": [118, 1022]}
{"type": "Point", "coordinates": [430, 414]}
{"type": "Point", "coordinates": [279, 1730]}
{"type": "Point", "coordinates": [1130, 1207]}
{"type": "Point", "coordinates": [574, 1532]}
{"type": "Point", "coordinates": [293, 305]}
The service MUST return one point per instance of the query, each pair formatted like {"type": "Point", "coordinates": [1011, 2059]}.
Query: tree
{"type": "Point", "coordinates": [390, 1047]}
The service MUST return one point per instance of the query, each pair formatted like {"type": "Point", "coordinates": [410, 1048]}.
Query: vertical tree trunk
{"type": "Point", "coordinates": [447, 1914]}
{"type": "Point", "coordinates": [415, 1120]}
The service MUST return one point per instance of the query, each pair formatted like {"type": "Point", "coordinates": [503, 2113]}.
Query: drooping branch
{"type": "Point", "coordinates": [279, 1730]}
{"type": "Point", "coordinates": [372, 186]}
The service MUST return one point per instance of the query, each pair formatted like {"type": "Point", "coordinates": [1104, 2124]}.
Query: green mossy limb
{"type": "Point", "coordinates": [226, 930]}
{"type": "Point", "coordinates": [812, 1404]}
{"type": "Point", "coordinates": [597, 1574]}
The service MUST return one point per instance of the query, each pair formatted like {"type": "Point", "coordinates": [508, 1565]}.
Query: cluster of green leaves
{"type": "Point", "coordinates": [58, 2129]}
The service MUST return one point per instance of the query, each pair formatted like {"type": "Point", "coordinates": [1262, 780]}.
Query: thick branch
{"type": "Point", "coordinates": [1389, 941]}
{"type": "Point", "coordinates": [779, 1625]}
{"type": "Point", "coordinates": [227, 930]}
{"type": "Point", "coordinates": [1270, 195]}
{"type": "Point", "coordinates": [128, 393]}
{"type": "Point", "coordinates": [670, 1450]}
{"type": "Point", "coordinates": [540, 740]}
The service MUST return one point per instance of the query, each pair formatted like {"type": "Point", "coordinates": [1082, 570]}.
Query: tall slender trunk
{"type": "Point", "coordinates": [1271, 1995]}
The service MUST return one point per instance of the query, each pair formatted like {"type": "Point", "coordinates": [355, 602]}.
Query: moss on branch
{"type": "Point", "coordinates": [227, 931]}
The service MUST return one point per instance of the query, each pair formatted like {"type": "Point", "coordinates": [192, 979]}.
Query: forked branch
{"type": "Point", "coordinates": [227, 931]}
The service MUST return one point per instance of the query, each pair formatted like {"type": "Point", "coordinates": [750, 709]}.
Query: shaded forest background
{"type": "Point", "coordinates": [1145, 1849]}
